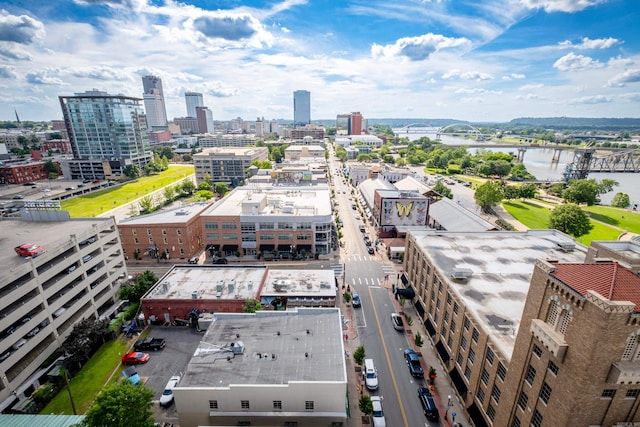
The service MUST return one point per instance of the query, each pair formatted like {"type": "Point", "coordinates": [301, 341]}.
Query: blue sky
{"type": "Point", "coordinates": [490, 60]}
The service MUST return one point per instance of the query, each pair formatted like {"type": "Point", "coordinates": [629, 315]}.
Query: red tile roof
{"type": "Point", "coordinates": [611, 280]}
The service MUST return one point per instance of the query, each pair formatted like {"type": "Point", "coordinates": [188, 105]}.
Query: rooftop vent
{"type": "Point", "coordinates": [182, 212]}
{"type": "Point", "coordinates": [461, 273]}
{"type": "Point", "coordinates": [567, 246]}
{"type": "Point", "coordinates": [325, 285]}
{"type": "Point", "coordinates": [194, 294]}
{"type": "Point", "coordinates": [238, 348]}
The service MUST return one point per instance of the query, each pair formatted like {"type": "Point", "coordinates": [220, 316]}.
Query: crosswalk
{"type": "Point", "coordinates": [370, 282]}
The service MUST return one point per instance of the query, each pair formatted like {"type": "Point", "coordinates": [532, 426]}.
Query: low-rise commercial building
{"type": "Point", "coordinates": [266, 369]}
{"type": "Point", "coordinates": [228, 165]}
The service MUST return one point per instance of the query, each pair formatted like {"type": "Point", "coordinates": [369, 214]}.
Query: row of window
{"type": "Point", "coordinates": [245, 405]}
{"type": "Point", "coordinates": [151, 242]}
{"type": "Point", "coordinates": [134, 231]}
{"type": "Point", "coordinates": [261, 226]}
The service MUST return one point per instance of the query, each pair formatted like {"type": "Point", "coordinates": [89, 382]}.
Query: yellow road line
{"type": "Point", "coordinates": [386, 352]}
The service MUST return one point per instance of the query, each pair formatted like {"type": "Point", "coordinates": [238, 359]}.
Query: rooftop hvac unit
{"type": "Point", "coordinates": [567, 246]}
{"type": "Point", "coordinates": [194, 294]}
{"type": "Point", "coordinates": [238, 348]}
{"type": "Point", "coordinates": [461, 273]}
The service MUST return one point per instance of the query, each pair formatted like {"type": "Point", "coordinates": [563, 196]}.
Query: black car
{"type": "Point", "coordinates": [428, 404]}
{"type": "Point", "coordinates": [220, 261]}
{"type": "Point", "coordinates": [370, 250]}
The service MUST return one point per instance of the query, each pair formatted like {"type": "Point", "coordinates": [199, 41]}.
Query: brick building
{"type": "Point", "coordinates": [23, 172]}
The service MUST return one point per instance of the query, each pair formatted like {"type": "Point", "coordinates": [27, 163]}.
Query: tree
{"type": "Point", "coordinates": [620, 200]}
{"type": "Point", "coordinates": [418, 340]}
{"type": "Point", "coordinates": [443, 190]}
{"type": "Point", "coordinates": [251, 305]}
{"type": "Point", "coordinates": [146, 203]}
{"type": "Point", "coordinates": [169, 193]}
{"type": "Point", "coordinates": [607, 185]}
{"type": "Point", "coordinates": [85, 337]}
{"type": "Point", "coordinates": [528, 191]}
{"type": "Point", "coordinates": [132, 171]}
{"type": "Point", "coordinates": [203, 195]}
{"type": "Point", "coordinates": [188, 187]}
{"type": "Point", "coordinates": [121, 405]}
{"type": "Point", "coordinates": [488, 194]}
{"type": "Point", "coordinates": [143, 283]}
{"type": "Point", "coordinates": [358, 355]}
{"type": "Point", "coordinates": [365, 405]}
{"type": "Point", "coordinates": [582, 191]}
{"type": "Point", "coordinates": [51, 167]}
{"type": "Point", "coordinates": [570, 219]}
{"type": "Point", "coordinates": [221, 188]}
{"type": "Point", "coordinates": [204, 185]}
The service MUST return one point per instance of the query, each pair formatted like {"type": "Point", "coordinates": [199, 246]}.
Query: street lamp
{"type": "Point", "coordinates": [449, 405]}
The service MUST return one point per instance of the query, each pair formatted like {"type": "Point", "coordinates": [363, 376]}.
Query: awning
{"type": "Point", "coordinates": [230, 247]}
{"type": "Point", "coordinates": [265, 247]}
{"type": "Point", "coordinates": [284, 248]}
{"type": "Point", "coordinates": [248, 245]}
{"type": "Point", "coordinates": [305, 247]}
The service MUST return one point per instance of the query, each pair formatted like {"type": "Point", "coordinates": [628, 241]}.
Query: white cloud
{"type": "Point", "coordinates": [573, 62]}
{"type": "Point", "coordinates": [588, 43]}
{"type": "Point", "coordinates": [629, 76]}
{"type": "Point", "coordinates": [100, 73]}
{"type": "Point", "coordinates": [418, 48]}
{"type": "Point", "coordinates": [14, 52]}
{"type": "Point", "coordinates": [42, 78]}
{"type": "Point", "coordinates": [21, 29]}
{"type": "Point", "coordinates": [8, 72]}
{"type": "Point", "coordinates": [595, 99]}
{"type": "Point", "coordinates": [513, 76]}
{"type": "Point", "coordinates": [468, 75]}
{"type": "Point", "coordinates": [560, 5]}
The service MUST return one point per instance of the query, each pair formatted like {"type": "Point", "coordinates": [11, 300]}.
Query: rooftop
{"type": "Point", "coordinates": [500, 264]}
{"type": "Point", "coordinates": [278, 347]}
{"type": "Point", "coordinates": [609, 279]}
{"type": "Point", "coordinates": [454, 217]}
{"type": "Point", "coordinates": [309, 283]}
{"type": "Point", "coordinates": [179, 215]}
{"type": "Point", "coordinates": [208, 282]}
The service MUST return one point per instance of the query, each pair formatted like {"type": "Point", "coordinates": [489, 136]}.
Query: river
{"type": "Point", "coordinates": [538, 162]}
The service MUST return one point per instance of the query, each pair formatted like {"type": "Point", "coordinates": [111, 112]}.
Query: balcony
{"type": "Point", "coordinates": [624, 372]}
{"type": "Point", "coordinates": [550, 338]}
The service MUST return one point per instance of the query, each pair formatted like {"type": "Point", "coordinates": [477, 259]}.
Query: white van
{"type": "Point", "coordinates": [370, 375]}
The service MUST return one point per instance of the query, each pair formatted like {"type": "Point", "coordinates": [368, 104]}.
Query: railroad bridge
{"type": "Point", "coordinates": [585, 162]}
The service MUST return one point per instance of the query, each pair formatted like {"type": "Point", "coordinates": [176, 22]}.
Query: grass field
{"type": "Point", "coordinates": [98, 202]}
{"type": "Point", "coordinates": [629, 220]}
{"type": "Point", "coordinates": [535, 216]}
{"type": "Point", "coordinates": [90, 380]}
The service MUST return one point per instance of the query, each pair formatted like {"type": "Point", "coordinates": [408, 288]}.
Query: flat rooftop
{"type": "Point", "coordinates": [501, 264]}
{"type": "Point", "coordinates": [169, 216]}
{"type": "Point", "coordinates": [47, 234]}
{"type": "Point", "coordinates": [281, 201]}
{"type": "Point", "coordinates": [208, 282]}
{"type": "Point", "coordinates": [303, 345]}
{"type": "Point", "coordinates": [307, 283]}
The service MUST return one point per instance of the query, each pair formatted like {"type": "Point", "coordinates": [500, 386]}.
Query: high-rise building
{"type": "Point", "coordinates": [301, 107]}
{"type": "Point", "coordinates": [154, 102]}
{"type": "Point", "coordinates": [106, 128]}
{"type": "Point", "coordinates": [193, 100]}
{"type": "Point", "coordinates": [355, 123]}
{"type": "Point", "coordinates": [205, 119]}
{"type": "Point", "coordinates": [342, 124]}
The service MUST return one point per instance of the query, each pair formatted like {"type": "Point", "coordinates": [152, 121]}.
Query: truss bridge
{"type": "Point", "coordinates": [586, 161]}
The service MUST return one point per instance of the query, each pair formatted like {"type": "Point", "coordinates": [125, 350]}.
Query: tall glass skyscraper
{"type": "Point", "coordinates": [154, 102]}
{"type": "Point", "coordinates": [301, 107]}
{"type": "Point", "coordinates": [193, 100]}
{"type": "Point", "coordinates": [106, 127]}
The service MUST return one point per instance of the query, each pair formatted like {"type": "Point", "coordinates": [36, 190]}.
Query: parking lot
{"type": "Point", "coordinates": [181, 342]}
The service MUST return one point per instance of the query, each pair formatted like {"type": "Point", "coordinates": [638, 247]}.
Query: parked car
{"type": "Point", "coordinates": [193, 260]}
{"type": "Point", "coordinates": [370, 250]}
{"type": "Point", "coordinates": [167, 395]}
{"type": "Point", "coordinates": [413, 362]}
{"type": "Point", "coordinates": [397, 322]}
{"type": "Point", "coordinates": [135, 358]}
{"type": "Point", "coordinates": [355, 299]}
{"type": "Point", "coordinates": [131, 374]}
{"type": "Point", "coordinates": [29, 249]}
{"type": "Point", "coordinates": [378, 413]}
{"type": "Point", "coordinates": [149, 343]}
{"type": "Point", "coordinates": [18, 197]}
{"type": "Point", "coordinates": [220, 261]}
{"type": "Point", "coordinates": [429, 407]}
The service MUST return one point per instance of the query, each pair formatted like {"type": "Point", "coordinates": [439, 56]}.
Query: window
{"type": "Point", "coordinates": [453, 326]}
{"type": "Point", "coordinates": [228, 236]}
{"type": "Point", "coordinates": [502, 371]}
{"type": "Point", "coordinates": [308, 405]}
{"type": "Point", "coordinates": [633, 393]}
{"type": "Point", "coordinates": [472, 355]}
{"type": "Point", "coordinates": [545, 393]}
{"type": "Point", "coordinates": [456, 307]}
{"type": "Point", "coordinates": [212, 236]}
{"type": "Point", "coordinates": [553, 368]}
{"type": "Point", "coordinates": [179, 232]}
{"type": "Point", "coordinates": [467, 372]}
{"type": "Point", "coordinates": [448, 299]}
{"type": "Point", "coordinates": [537, 350]}
{"type": "Point", "coordinates": [475, 335]}
{"type": "Point", "coordinates": [446, 317]}
{"type": "Point", "coordinates": [485, 377]}
{"type": "Point", "coordinates": [213, 405]}
{"type": "Point", "coordinates": [631, 350]}
{"type": "Point", "coordinates": [491, 412]}
{"type": "Point", "coordinates": [459, 360]}
{"type": "Point", "coordinates": [522, 400]}
{"type": "Point", "coordinates": [536, 420]}
{"type": "Point", "coordinates": [211, 225]}
{"type": "Point", "coordinates": [490, 355]}
{"type": "Point", "coordinates": [266, 226]}
{"type": "Point", "coordinates": [164, 232]}
{"type": "Point", "coordinates": [608, 393]}
{"type": "Point", "coordinates": [248, 226]}
{"type": "Point", "coordinates": [495, 393]}
{"type": "Point", "coordinates": [164, 240]}
{"type": "Point", "coordinates": [285, 237]}
{"type": "Point", "coordinates": [277, 405]}
{"type": "Point", "coordinates": [481, 395]}
{"type": "Point", "coordinates": [463, 343]}
{"type": "Point", "coordinates": [531, 375]}
{"type": "Point", "coordinates": [135, 240]}
{"type": "Point", "coordinates": [285, 226]}
{"type": "Point", "coordinates": [450, 341]}
{"type": "Point", "coordinates": [179, 240]}
{"type": "Point", "coordinates": [244, 404]}
{"type": "Point", "coordinates": [558, 316]}
{"type": "Point", "coordinates": [467, 323]}
{"type": "Point", "coordinates": [516, 422]}
{"type": "Point", "coordinates": [181, 251]}
{"type": "Point", "coordinates": [443, 331]}
{"type": "Point", "coordinates": [134, 231]}
{"type": "Point", "coordinates": [148, 232]}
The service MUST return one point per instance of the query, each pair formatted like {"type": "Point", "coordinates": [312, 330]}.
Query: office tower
{"type": "Point", "coordinates": [205, 119]}
{"type": "Point", "coordinates": [301, 107]}
{"type": "Point", "coordinates": [355, 124]}
{"type": "Point", "coordinates": [154, 102]}
{"type": "Point", "coordinates": [342, 124]}
{"type": "Point", "coordinates": [106, 128]}
{"type": "Point", "coordinates": [193, 100]}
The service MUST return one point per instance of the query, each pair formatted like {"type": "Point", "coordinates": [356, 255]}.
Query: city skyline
{"type": "Point", "coordinates": [494, 61]}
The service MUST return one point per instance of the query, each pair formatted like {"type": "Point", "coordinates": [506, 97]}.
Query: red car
{"type": "Point", "coordinates": [29, 249]}
{"type": "Point", "coordinates": [135, 358]}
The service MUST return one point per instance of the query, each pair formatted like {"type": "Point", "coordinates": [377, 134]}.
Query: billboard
{"type": "Point", "coordinates": [411, 211]}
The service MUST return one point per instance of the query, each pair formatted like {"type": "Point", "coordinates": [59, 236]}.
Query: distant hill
{"type": "Point", "coordinates": [578, 123]}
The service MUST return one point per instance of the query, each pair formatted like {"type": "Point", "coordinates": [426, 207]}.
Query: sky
{"type": "Point", "coordinates": [481, 61]}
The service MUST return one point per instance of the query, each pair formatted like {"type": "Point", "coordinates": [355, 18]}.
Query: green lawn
{"type": "Point", "coordinates": [98, 202]}
{"type": "Point", "coordinates": [537, 217]}
{"type": "Point", "coordinates": [86, 385]}
{"type": "Point", "coordinates": [629, 220]}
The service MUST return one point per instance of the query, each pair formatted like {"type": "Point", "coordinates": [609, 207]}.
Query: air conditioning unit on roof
{"type": "Point", "coordinates": [461, 273]}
